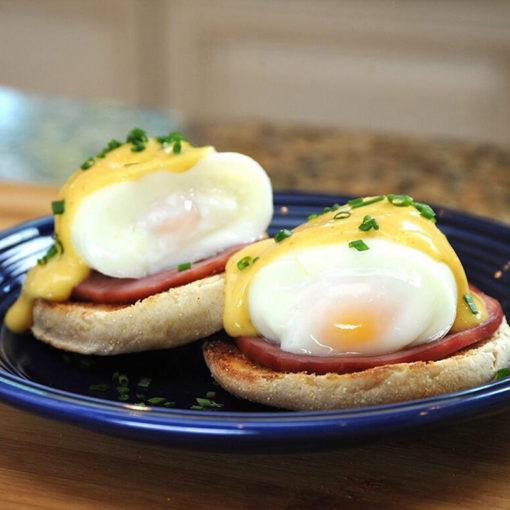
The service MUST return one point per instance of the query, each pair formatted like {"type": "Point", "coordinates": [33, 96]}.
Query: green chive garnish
{"type": "Point", "coordinates": [282, 234]}
{"type": "Point", "coordinates": [362, 202]}
{"type": "Point", "coordinates": [138, 147]}
{"type": "Point", "coordinates": [342, 215]}
{"type": "Point", "coordinates": [123, 380]}
{"type": "Point", "coordinates": [312, 216]}
{"type": "Point", "coordinates": [112, 144]}
{"type": "Point", "coordinates": [136, 136]}
{"type": "Point", "coordinates": [144, 383]}
{"type": "Point", "coordinates": [425, 210]}
{"type": "Point", "coordinates": [184, 266]}
{"type": "Point", "coordinates": [169, 404]}
{"type": "Point", "coordinates": [358, 245]}
{"type": "Point", "coordinates": [56, 248]}
{"type": "Point", "coordinates": [90, 162]}
{"type": "Point", "coordinates": [174, 138]}
{"type": "Point", "coordinates": [207, 403]}
{"type": "Point", "coordinates": [210, 394]}
{"type": "Point", "coordinates": [244, 262]}
{"type": "Point", "coordinates": [101, 388]}
{"type": "Point", "coordinates": [369, 223]}
{"type": "Point", "coordinates": [122, 389]}
{"type": "Point", "coordinates": [468, 298]}
{"type": "Point", "coordinates": [502, 373]}
{"type": "Point", "coordinates": [400, 200]}
{"type": "Point", "coordinates": [123, 397]}
{"type": "Point", "coordinates": [58, 207]}
{"type": "Point", "coordinates": [156, 401]}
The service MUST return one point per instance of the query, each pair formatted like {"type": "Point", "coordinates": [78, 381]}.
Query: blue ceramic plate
{"type": "Point", "coordinates": [82, 390]}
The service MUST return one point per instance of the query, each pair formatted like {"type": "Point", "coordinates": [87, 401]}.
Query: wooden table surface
{"type": "Point", "coordinates": [50, 465]}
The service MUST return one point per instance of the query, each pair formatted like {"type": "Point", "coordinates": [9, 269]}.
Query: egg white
{"type": "Point", "coordinates": [135, 228]}
{"type": "Point", "coordinates": [406, 297]}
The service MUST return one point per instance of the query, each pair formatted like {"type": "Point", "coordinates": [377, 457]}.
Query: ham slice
{"type": "Point", "coordinates": [262, 352]}
{"type": "Point", "coordinates": [98, 288]}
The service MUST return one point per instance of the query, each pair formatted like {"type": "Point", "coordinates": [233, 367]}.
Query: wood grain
{"type": "Point", "coordinates": [50, 465]}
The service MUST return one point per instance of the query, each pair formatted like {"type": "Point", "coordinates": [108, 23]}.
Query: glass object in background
{"type": "Point", "coordinates": [44, 139]}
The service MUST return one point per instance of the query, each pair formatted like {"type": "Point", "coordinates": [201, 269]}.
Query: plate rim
{"type": "Point", "coordinates": [91, 411]}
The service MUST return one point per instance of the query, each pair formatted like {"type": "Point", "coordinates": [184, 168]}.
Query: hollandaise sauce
{"type": "Point", "coordinates": [62, 268]}
{"type": "Point", "coordinates": [396, 218]}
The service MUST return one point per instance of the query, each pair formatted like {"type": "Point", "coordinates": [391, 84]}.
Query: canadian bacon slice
{"type": "Point", "coordinates": [269, 355]}
{"type": "Point", "coordinates": [98, 288]}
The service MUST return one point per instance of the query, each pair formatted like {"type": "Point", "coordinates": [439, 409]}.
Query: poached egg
{"type": "Point", "coordinates": [144, 206]}
{"type": "Point", "coordinates": [365, 280]}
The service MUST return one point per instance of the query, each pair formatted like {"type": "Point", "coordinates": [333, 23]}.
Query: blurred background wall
{"type": "Point", "coordinates": [433, 68]}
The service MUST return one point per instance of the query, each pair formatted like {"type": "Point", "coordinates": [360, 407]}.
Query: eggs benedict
{"type": "Point", "coordinates": [142, 233]}
{"type": "Point", "coordinates": [366, 303]}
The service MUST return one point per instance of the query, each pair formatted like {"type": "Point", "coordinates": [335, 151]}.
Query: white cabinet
{"type": "Point", "coordinates": [420, 67]}
{"type": "Point", "coordinates": [84, 48]}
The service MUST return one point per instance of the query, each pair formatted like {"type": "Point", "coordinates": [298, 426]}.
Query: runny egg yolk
{"type": "Point", "coordinates": [351, 326]}
{"type": "Point", "coordinates": [56, 279]}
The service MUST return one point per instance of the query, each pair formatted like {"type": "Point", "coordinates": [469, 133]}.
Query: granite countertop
{"type": "Point", "coordinates": [468, 176]}
{"type": "Point", "coordinates": [44, 139]}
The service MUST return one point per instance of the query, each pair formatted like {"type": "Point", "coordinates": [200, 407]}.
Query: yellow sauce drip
{"type": "Point", "coordinates": [55, 280]}
{"type": "Point", "coordinates": [402, 225]}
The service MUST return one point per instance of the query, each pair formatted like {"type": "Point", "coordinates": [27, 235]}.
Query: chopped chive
{"type": "Point", "coordinates": [156, 401]}
{"type": "Point", "coordinates": [138, 147]}
{"type": "Point", "coordinates": [175, 139]}
{"type": "Point", "coordinates": [342, 215]}
{"type": "Point", "coordinates": [54, 249]}
{"type": "Point", "coordinates": [425, 210]}
{"type": "Point", "coordinates": [184, 266]}
{"type": "Point", "coordinates": [136, 136]}
{"type": "Point", "coordinates": [102, 388]}
{"type": "Point", "coordinates": [197, 408]}
{"type": "Point", "coordinates": [312, 216]}
{"type": "Point", "coordinates": [206, 403]}
{"type": "Point", "coordinates": [123, 397]}
{"type": "Point", "coordinates": [362, 202]}
{"type": "Point", "coordinates": [87, 164]}
{"type": "Point", "coordinates": [122, 389]}
{"type": "Point", "coordinates": [169, 404]}
{"type": "Point", "coordinates": [58, 243]}
{"type": "Point", "coordinates": [400, 200]}
{"type": "Point", "coordinates": [123, 380]}
{"type": "Point", "coordinates": [502, 373]}
{"type": "Point", "coordinates": [468, 298]}
{"type": "Point", "coordinates": [115, 377]}
{"type": "Point", "coordinates": [112, 145]}
{"type": "Point", "coordinates": [282, 234]}
{"type": "Point", "coordinates": [369, 223]}
{"type": "Point", "coordinates": [358, 245]}
{"type": "Point", "coordinates": [244, 262]}
{"type": "Point", "coordinates": [144, 383]}
{"type": "Point", "coordinates": [255, 260]}
{"type": "Point", "coordinates": [58, 207]}
{"type": "Point", "coordinates": [210, 394]}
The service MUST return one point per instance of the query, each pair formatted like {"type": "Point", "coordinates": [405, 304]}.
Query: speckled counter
{"type": "Point", "coordinates": [468, 176]}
